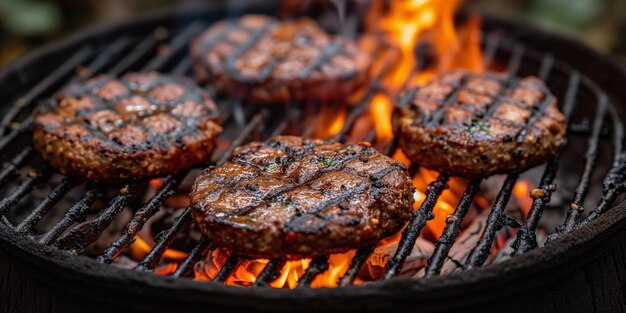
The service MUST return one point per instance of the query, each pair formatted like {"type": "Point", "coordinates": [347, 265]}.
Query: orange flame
{"type": "Point", "coordinates": [291, 272]}
{"type": "Point", "coordinates": [407, 24]}
{"type": "Point", "coordinates": [381, 110]}
{"type": "Point", "coordinates": [140, 248]}
{"type": "Point", "coordinates": [331, 119]}
{"type": "Point", "coordinates": [337, 266]}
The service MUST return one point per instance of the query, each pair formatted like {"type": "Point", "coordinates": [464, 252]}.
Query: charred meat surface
{"type": "Point", "coordinates": [142, 125]}
{"type": "Point", "coordinates": [267, 61]}
{"type": "Point", "coordinates": [468, 124]}
{"type": "Point", "coordinates": [291, 197]}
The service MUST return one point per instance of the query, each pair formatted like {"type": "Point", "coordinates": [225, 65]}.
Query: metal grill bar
{"type": "Point", "coordinates": [516, 59]}
{"type": "Point", "coordinates": [613, 186]}
{"type": "Point", "coordinates": [44, 206]}
{"type": "Point", "coordinates": [361, 256]}
{"type": "Point", "coordinates": [491, 47]}
{"type": "Point", "coordinates": [141, 217]}
{"type": "Point", "coordinates": [495, 222]}
{"type": "Point", "coordinates": [452, 229]}
{"type": "Point", "coordinates": [45, 84]}
{"type": "Point", "coordinates": [230, 265]}
{"type": "Point", "coordinates": [364, 102]}
{"type": "Point", "coordinates": [576, 208]}
{"type": "Point", "coordinates": [269, 273]}
{"type": "Point", "coordinates": [23, 189]}
{"type": "Point", "coordinates": [316, 267]}
{"type": "Point", "coordinates": [88, 232]}
{"type": "Point", "coordinates": [526, 239]}
{"type": "Point", "coordinates": [114, 50]}
{"type": "Point", "coordinates": [74, 213]}
{"type": "Point", "coordinates": [142, 49]}
{"type": "Point", "coordinates": [194, 256]}
{"type": "Point", "coordinates": [416, 224]}
{"type": "Point", "coordinates": [152, 259]}
{"type": "Point", "coordinates": [615, 181]}
{"type": "Point", "coordinates": [10, 168]}
{"type": "Point", "coordinates": [177, 44]}
{"type": "Point", "coordinates": [15, 132]}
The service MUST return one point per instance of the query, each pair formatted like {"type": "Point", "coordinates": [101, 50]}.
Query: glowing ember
{"type": "Point", "coordinates": [247, 272]}
{"type": "Point", "coordinates": [156, 183]}
{"type": "Point", "coordinates": [521, 191]}
{"type": "Point", "coordinates": [166, 269]}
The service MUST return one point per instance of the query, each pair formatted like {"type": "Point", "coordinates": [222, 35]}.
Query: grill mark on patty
{"type": "Point", "coordinates": [437, 116]}
{"type": "Point", "coordinates": [256, 36]}
{"type": "Point", "coordinates": [536, 115]}
{"type": "Point", "coordinates": [293, 224]}
{"type": "Point", "coordinates": [208, 42]}
{"type": "Point", "coordinates": [510, 84]}
{"type": "Point", "coordinates": [328, 51]}
{"type": "Point", "coordinates": [289, 187]}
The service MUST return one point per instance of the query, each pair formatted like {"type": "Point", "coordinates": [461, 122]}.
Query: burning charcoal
{"type": "Point", "coordinates": [464, 244]}
{"type": "Point", "coordinates": [208, 268]}
{"type": "Point", "coordinates": [376, 265]}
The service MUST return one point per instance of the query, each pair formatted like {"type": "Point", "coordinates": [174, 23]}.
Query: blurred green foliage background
{"type": "Point", "coordinates": [25, 24]}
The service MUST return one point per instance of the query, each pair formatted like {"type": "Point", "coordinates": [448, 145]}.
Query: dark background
{"type": "Point", "coordinates": [25, 24]}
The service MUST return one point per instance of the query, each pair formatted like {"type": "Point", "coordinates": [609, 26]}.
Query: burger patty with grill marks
{"type": "Point", "coordinates": [476, 125]}
{"type": "Point", "coordinates": [291, 197]}
{"type": "Point", "coordinates": [142, 125]}
{"type": "Point", "coordinates": [267, 61]}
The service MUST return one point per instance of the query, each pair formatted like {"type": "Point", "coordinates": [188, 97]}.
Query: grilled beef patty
{"type": "Point", "coordinates": [267, 61]}
{"type": "Point", "coordinates": [142, 125]}
{"type": "Point", "coordinates": [292, 197]}
{"type": "Point", "coordinates": [468, 124]}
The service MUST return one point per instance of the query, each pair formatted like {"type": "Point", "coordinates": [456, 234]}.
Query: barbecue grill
{"type": "Point", "coordinates": [581, 267]}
